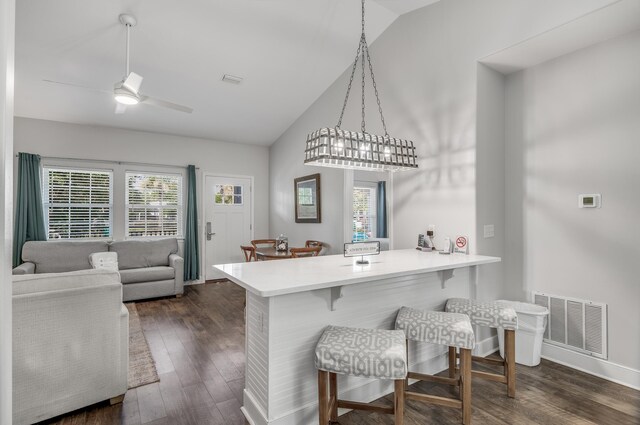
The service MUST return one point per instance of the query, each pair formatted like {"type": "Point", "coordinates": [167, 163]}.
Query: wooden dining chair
{"type": "Point", "coordinates": [269, 242]}
{"type": "Point", "coordinates": [312, 251]}
{"type": "Point", "coordinates": [310, 244]}
{"type": "Point", "coordinates": [249, 252]}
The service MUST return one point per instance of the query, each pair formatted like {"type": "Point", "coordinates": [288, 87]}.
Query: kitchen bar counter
{"type": "Point", "coordinates": [267, 279]}
{"type": "Point", "coordinates": [290, 302]}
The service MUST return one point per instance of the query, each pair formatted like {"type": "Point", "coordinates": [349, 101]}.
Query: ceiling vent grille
{"type": "Point", "coordinates": [577, 325]}
{"type": "Point", "coordinates": [227, 78]}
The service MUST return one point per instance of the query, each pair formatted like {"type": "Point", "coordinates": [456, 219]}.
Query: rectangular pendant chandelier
{"type": "Point", "coordinates": [337, 148]}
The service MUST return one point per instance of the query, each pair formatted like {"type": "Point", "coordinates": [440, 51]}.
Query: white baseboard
{"type": "Point", "coordinates": [308, 414]}
{"type": "Point", "coordinates": [251, 411]}
{"type": "Point", "coordinates": [605, 369]}
{"type": "Point", "coordinates": [487, 346]}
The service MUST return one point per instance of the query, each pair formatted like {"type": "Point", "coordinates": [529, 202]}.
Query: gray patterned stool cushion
{"type": "Point", "coordinates": [436, 327]}
{"type": "Point", "coordinates": [490, 314]}
{"type": "Point", "coordinates": [370, 353]}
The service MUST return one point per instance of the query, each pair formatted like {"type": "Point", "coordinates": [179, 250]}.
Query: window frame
{"type": "Point", "coordinates": [372, 186]}
{"type": "Point", "coordinates": [180, 205]}
{"type": "Point", "coordinates": [46, 204]}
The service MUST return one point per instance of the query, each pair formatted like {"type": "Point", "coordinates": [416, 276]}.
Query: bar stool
{"type": "Point", "coordinates": [369, 353]}
{"type": "Point", "coordinates": [492, 315]}
{"type": "Point", "coordinates": [450, 329]}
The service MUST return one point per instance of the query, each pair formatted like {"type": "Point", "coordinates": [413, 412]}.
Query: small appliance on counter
{"type": "Point", "coordinates": [446, 246]}
{"type": "Point", "coordinates": [426, 243]}
{"type": "Point", "coordinates": [282, 243]}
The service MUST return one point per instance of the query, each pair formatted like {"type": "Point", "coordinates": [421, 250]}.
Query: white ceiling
{"type": "Point", "coordinates": [603, 24]}
{"type": "Point", "coordinates": [287, 51]}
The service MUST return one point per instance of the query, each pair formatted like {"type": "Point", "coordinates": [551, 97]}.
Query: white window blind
{"type": "Point", "coordinates": [154, 205]}
{"type": "Point", "coordinates": [77, 203]}
{"type": "Point", "coordinates": [364, 213]}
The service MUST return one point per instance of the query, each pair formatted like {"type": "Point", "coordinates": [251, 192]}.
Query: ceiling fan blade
{"type": "Point", "coordinates": [79, 86]}
{"type": "Point", "coordinates": [165, 104]}
{"type": "Point", "coordinates": [133, 82]}
{"type": "Point", "coordinates": [120, 108]}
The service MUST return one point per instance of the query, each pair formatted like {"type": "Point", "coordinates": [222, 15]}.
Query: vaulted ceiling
{"type": "Point", "coordinates": [287, 51]}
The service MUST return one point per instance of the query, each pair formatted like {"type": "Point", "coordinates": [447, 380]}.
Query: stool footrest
{"type": "Point", "coordinates": [346, 404]}
{"type": "Point", "coordinates": [489, 376]}
{"type": "Point", "coordinates": [497, 362]}
{"type": "Point", "coordinates": [437, 379]}
{"type": "Point", "coordinates": [434, 399]}
{"type": "Point", "coordinates": [487, 361]}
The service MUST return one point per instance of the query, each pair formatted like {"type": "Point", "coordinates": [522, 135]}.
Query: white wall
{"type": "Point", "coordinates": [425, 65]}
{"type": "Point", "coordinates": [572, 127]}
{"type": "Point", "coordinates": [7, 38]}
{"type": "Point", "coordinates": [56, 139]}
{"type": "Point", "coordinates": [490, 172]}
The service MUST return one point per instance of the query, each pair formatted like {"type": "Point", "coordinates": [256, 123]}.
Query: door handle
{"type": "Point", "coordinates": [209, 233]}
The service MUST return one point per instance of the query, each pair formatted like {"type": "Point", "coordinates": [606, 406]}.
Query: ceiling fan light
{"type": "Point", "coordinates": [125, 97]}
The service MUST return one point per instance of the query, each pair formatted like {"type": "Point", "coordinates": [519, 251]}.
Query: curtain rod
{"type": "Point", "coordinates": [106, 161]}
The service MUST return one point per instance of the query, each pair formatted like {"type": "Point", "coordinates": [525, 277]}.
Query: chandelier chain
{"type": "Point", "coordinates": [363, 49]}
{"type": "Point", "coordinates": [375, 90]}
{"type": "Point", "coordinates": [353, 72]}
{"type": "Point", "coordinates": [362, 124]}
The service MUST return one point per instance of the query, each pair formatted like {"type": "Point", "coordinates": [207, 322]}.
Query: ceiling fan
{"type": "Point", "coordinates": [127, 91]}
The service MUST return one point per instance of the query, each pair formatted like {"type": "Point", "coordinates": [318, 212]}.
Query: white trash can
{"type": "Point", "coordinates": [532, 321]}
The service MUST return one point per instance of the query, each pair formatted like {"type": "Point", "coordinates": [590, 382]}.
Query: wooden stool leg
{"type": "Point", "coordinates": [465, 385]}
{"type": "Point", "coordinates": [398, 401]}
{"type": "Point", "coordinates": [452, 362]}
{"type": "Point", "coordinates": [323, 405]}
{"type": "Point", "coordinates": [406, 381]}
{"type": "Point", "coordinates": [116, 400]}
{"type": "Point", "coordinates": [333, 397]}
{"type": "Point", "coordinates": [510, 361]}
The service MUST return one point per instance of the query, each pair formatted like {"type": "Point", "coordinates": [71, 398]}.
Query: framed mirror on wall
{"type": "Point", "coordinates": [307, 199]}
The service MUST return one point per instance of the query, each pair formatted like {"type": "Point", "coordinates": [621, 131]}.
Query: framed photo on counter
{"type": "Point", "coordinates": [307, 199]}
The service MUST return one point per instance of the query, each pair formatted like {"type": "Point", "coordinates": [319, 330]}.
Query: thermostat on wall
{"type": "Point", "coordinates": [589, 201]}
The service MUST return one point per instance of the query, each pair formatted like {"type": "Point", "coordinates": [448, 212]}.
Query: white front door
{"type": "Point", "coordinates": [228, 221]}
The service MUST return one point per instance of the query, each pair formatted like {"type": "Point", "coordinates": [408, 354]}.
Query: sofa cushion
{"type": "Point", "coordinates": [61, 256]}
{"type": "Point", "coordinates": [147, 274]}
{"type": "Point", "coordinates": [133, 254]}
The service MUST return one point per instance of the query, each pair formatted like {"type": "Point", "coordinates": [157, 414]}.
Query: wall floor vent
{"type": "Point", "coordinates": [577, 325]}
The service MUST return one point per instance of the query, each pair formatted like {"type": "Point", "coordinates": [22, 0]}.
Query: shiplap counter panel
{"type": "Point", "coordinates": [283, 327]}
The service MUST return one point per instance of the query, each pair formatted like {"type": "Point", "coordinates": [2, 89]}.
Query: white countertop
{"type": "Point", "coordinates": [280, 277]}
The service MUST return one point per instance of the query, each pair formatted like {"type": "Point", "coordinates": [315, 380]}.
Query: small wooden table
{"type": "Point", "coordinates": [269, 253]}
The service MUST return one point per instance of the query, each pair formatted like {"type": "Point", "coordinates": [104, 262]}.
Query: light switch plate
{"type": "Point", "coordinates": [489, 231]}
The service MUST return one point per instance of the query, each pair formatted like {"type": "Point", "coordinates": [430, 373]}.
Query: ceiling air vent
{"type": "Point", "coordinates": [227, 78]}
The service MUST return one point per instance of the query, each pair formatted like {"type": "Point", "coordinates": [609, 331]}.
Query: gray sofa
{"type": "Point", "coordinates": [148, 268]}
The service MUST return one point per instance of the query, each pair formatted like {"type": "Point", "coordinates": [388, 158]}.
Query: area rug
{"type": "Point", "coordinates": [142, 368]}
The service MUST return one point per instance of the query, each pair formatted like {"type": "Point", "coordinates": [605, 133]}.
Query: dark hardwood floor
{"type": "Point", "coordinates": [198, 344]}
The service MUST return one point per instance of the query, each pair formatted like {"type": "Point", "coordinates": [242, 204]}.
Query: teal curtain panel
{"type": "Point", "coordinates": [381, 213]}
{"type": "Point", "coordinates": [29, 224]}
{"type": "Point", "coordinates": [191, 246]}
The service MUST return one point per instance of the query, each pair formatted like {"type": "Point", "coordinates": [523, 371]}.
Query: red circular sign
{"type": "Point", "coordinates": [461, 242]}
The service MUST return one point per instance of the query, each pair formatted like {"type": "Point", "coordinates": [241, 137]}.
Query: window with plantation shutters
{"type": "Point", "coordinates": [78, 203]}
{"type": "Point", "coordinates": [154, 205]}
{"type": "Point", "coordinates": [364, 211]}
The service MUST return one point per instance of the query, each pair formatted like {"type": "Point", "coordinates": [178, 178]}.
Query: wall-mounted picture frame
{"type": "Point", "coordinates": [307, 199]}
